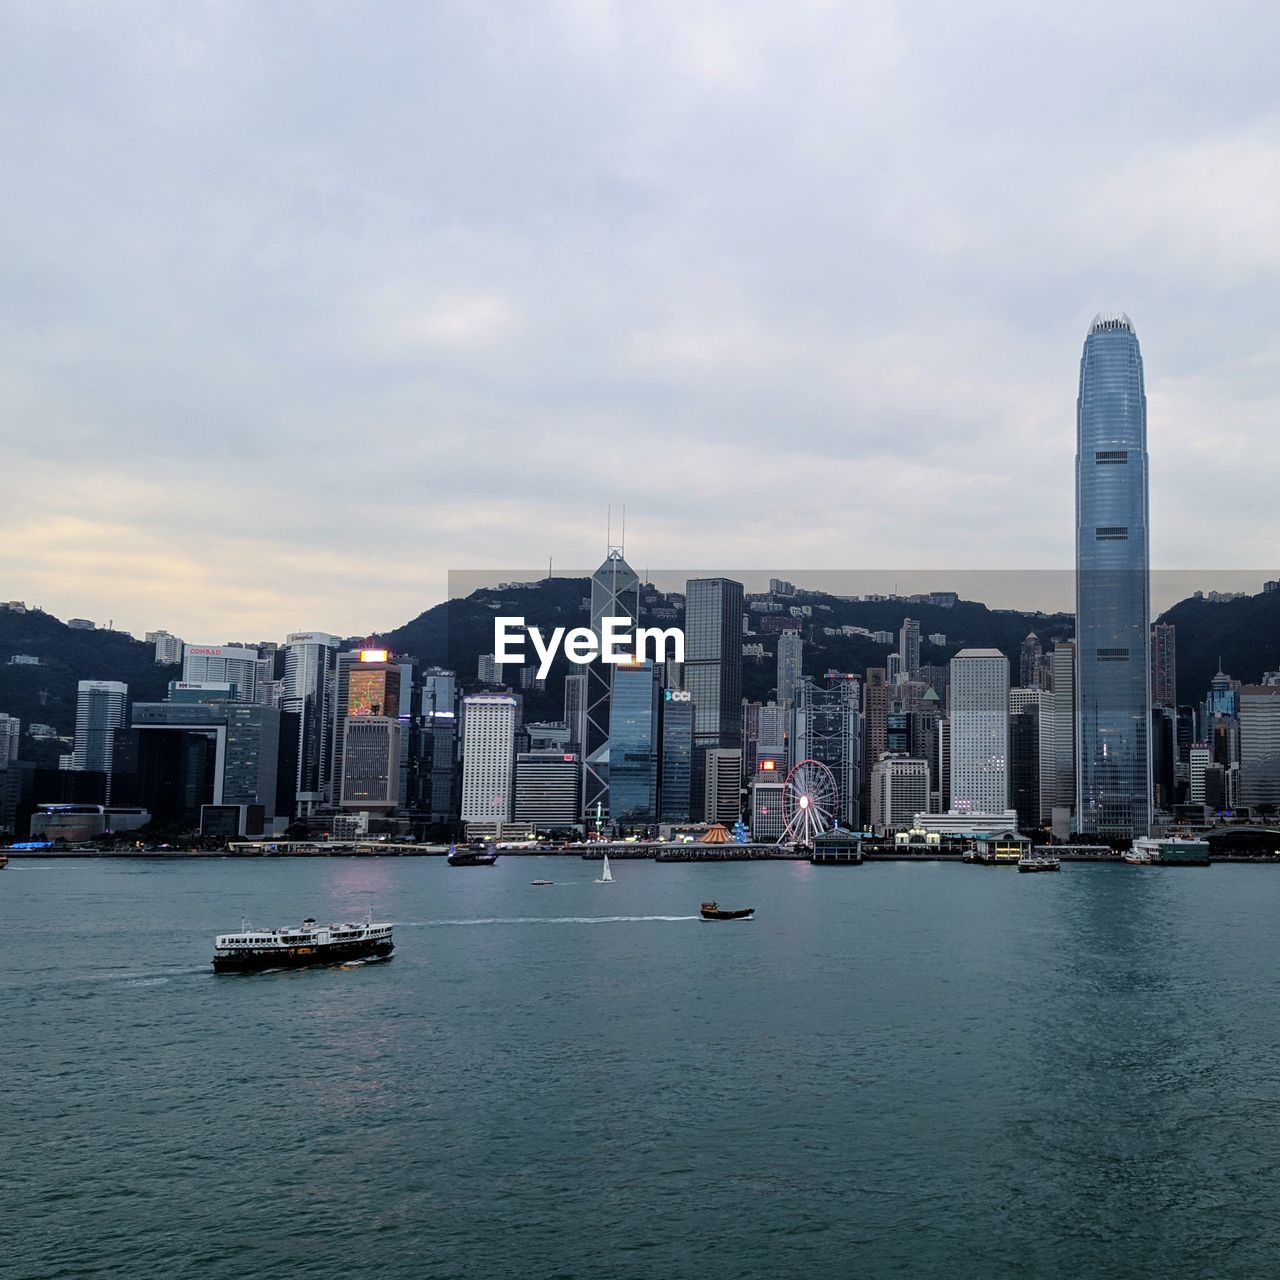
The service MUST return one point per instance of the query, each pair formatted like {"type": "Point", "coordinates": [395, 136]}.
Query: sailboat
{"type": "Point", "coordinates": [606, 876]}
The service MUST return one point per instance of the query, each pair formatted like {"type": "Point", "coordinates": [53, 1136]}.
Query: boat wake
{"type": "Point", "coordinates": [426, 924]}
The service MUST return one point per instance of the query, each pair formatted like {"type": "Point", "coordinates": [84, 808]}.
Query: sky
{"type": "Point", "coordinates": [306, 305]}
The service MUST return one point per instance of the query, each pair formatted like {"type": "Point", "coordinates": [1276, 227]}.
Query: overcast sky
{"type": "Point", "coordinates": [305, 305]}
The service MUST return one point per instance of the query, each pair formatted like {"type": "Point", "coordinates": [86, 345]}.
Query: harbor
{"type": "Point", "coordinates": [506, 1043]}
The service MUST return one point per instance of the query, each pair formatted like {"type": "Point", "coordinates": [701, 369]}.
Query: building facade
{"type": "Point", "coordinates": [1260, 745]}
{"type": "Point", "coordinates": [223, 662]}
{"type": "Point", "coordinates": [548, 790]}
{"type": "Point", "coordinates": [1113, 612]}
{"type": "Point", "coordinates": [488, 758]}
{"type": "Point", "coordinates": [633, 744]}
{"type": "Point", "coordinates": [790, 664]}
{"type": "Point", "coordinates": [979, 715]}
{"type": "Point", "coordinates": [900, 789]}
{"type": "Point", "coordinates": [615, 593]}
{"type": "Point", "coordinates": [713, 659]}
{"type": "Point", "coordinates": [100, 714]}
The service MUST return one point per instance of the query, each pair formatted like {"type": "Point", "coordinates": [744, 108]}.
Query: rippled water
{"type": "Point", "coordinates": [892, 1071]}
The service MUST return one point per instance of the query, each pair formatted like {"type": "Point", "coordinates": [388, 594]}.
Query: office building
{"type": "Point", "coordinates": [828, 729]}
{"type": "Point", "coordinates": [713, 659]}
{"type": "Point", "coordinates": [1025, 732]}
{"type": "Point", "coordinates": [615, 593]}
{"type": "Point", "coordinates": [1113, 613]}
{"type": "Point", "coordinates": [1062, 792]}
{"type": "Point", "coordinates": [376, 692]}
{"type": "Point", "coordinates": [1164, 665]}
{"type": "Point", "coordinates": [900, 788]}
{"type": "Point", "coordinates": [489, 722]}
{"type": "Point", "coordinates": [310, 663]}
{"type": "Point", "coordinates": [875, 709]}
{"type": "Point", "coordinates": [633, 744]}
{"type": "Point", "coordinates": [675, 773]}
{"type": "Point", "coordinates": [1201, 757]}
{"type": "Point", "coordinates": [548, 791]}
{"type": "Point", "coordinates": [377, 682]}
{"type": "Point", "coordinates": [979, 715]}
{"type": "Point", "coordinates": [1260, 745]}
{"type": "Point", "coordinates": [371, 759]}
{"type": "Point", "coordinates": [189, 755]}
{"type": "Point", "coordinates": [439, 777]}
{"type": "Point", "coordinates": [1029, 662]}
{"type": "Point", "coordinates": [223, 663]}
{"type": "Point", "coordinates": [773, 725]}
{"type": "Point", "coordinates": [790, 664]}
{"type": "Point", "coordinates": [575, 709]}
{"type": "Point", "coordinates": [722, 801]}
{"type": "Point", "coordinates": [766, 805]}
{"type": "Point", "coordinates": [100, 715]}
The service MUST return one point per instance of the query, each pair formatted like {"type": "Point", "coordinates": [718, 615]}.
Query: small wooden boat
{"type": "Point", "coordinates": [713, 911]}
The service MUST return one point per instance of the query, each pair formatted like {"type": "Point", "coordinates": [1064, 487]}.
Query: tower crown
{"type": "Point", "coordinates": [1105, 321]}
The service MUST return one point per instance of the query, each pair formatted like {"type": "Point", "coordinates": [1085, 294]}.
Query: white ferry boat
{"type": "Point", "coordinates": [1037, 861]}
{"type": "Point", "coordinates": [1170, 852]}
{"type": "Point", "coordinates": [253, 950]}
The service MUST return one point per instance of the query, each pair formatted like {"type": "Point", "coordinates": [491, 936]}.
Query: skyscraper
{"type": "Point", "coordinates": [909, 647]}
{"type": "Point", "coordinates": [633, 744]}
{"type": "Point", "coordinates": [309, 661]}
{"type": "Point", "coordinates": [980, 731]}
{"type": "Point", "coordinates": [488, 758]}
{"type": "Point", "coordinates": [1260, 744]}
{"type": "Point", "coordinates": [575, 709]}
{"type": "Point", "coordinates": [368, 720]}
{"type": "Point", "coordinates": [675, 779]}
{"type": "Point", "coordinates": [100, 708]}
{"type": "Point", "coordinates": [790, 662]}
{"type": "Point", "coordinates": [439, 779]}
{"type": "Point", "coordinates": [713, 659]}
{"type": "Point", "coordinates": [1029, 662]}
{"type": "Point", "coordinates": [828, 728]}
{"type": "Point", "coordinates": [615, 593]}
{"type": "Point", "coordinates": [1113, 613]}
{"type": "Point", "coordinates": [1164, 665]}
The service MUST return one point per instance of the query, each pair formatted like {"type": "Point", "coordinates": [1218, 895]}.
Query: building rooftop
{"type": "Point", "coordinates": [1111, 320]}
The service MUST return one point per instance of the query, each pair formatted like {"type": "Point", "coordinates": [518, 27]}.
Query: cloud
{"type": "Point", "coordinates": [297, 313]}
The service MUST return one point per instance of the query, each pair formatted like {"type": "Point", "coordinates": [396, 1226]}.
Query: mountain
{"type": "Point", "coordinates": [1244, 634]}
{"type": "Point", "coordinates": [455, 634]}
{"type": "Point", "coordinates": [46, 694]}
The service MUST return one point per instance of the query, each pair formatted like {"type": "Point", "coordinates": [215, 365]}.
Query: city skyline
{"type": "Point", "coordinates": [694, 246]}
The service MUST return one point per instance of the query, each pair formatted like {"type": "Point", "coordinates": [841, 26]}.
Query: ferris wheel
{"type": "Point", "coordinates": [810, 802]}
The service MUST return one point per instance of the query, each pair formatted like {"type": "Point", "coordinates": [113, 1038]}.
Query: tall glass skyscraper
{"type": "Point", "coordinates": [615, 593]}
{"type": "Point", "coordinates": [713, 659]}
{"type": "Point", "coordinates": [1113, 608]}
{"type": "Point", "coordinates": [633, 743]}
